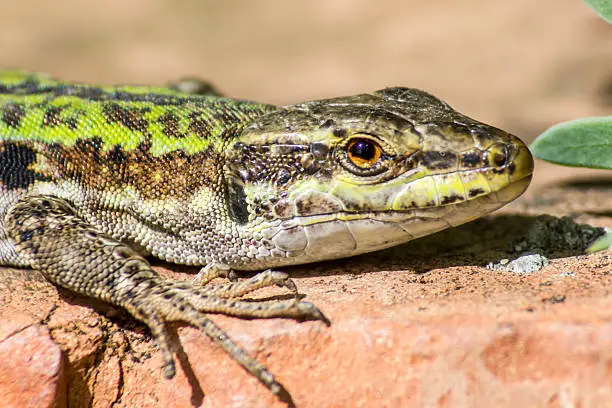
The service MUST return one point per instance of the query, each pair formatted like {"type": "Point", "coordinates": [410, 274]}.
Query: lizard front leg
{"type": "Point", "coordinates": [73, 254]}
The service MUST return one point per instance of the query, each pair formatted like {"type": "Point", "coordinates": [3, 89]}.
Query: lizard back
{"type": "Point", "coordinates": [113, 149]}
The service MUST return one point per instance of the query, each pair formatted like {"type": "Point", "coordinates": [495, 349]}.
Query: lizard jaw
{"type": "Point", "coordinates": [337, 235]}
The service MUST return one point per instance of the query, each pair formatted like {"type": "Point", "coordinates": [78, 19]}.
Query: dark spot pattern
{"type": "Point", "coordinates": [26, 235]}
{"type": "Point", "coordinates": [283, 209]}
{"type": "Point", "coordinates": [200, 125]}
{"type": "Point", "coordinates": [72, 122]}
{"type": "Point", "coordinates": [320, 150]}
{"type": "Point", "coordinates": [439, 160]}
{"type": "Point", "coordinates": [129, 117]}
{"type": "Point", "coordinates": [15, 162]}
{"type": "Point", "coordinates": [453, 198]}
{"type": "Point", "coordinates": [471, 160]}
{"type": "Point", "coordinates": [117, 155]}
{"type": "Point", "coordinates": [283, 176]}
{"type": "Point", "coordinates": [475, 192]}
{"type": "Point", "coordinates": [340, 132]}
{"type": "Point", "coordinates": [170, 122]}
{"type": "Point", "coordinates": [12, 114]}
{"type": "Point", "coordinates": [52, 116]}
{"type": "Point", "coordinates": [327, 124]}
{"type": "Point", "coordinates": [93, 146]}
{"type": "Point", "coordinates": [316, 204]}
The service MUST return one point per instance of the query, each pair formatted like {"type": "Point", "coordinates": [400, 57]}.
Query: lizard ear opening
{"type": "Point", "coordinates": [236, 200]}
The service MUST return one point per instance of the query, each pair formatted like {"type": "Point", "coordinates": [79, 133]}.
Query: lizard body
{"type": "Point", "coordinates": [95, 178]}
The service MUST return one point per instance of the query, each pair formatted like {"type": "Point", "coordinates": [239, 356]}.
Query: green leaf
{"type": "Point", "coordinates": [601, 243]}
{"type": "Point", "coordinates": [585, 142]}
{"type": "Point", "coordinates": [602, 7]}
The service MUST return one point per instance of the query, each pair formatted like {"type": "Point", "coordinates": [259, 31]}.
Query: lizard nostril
{"type": "Point", "coordinates": [499, 159]}
{"type": "Point", "coordinates": [498, 155]}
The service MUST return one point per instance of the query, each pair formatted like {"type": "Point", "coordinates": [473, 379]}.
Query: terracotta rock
{"type": "Point", "coordinates": [31, 369]}
{"type": "Point", "coordinates": [423, 324]}
{"type": "Point", "coordinates": [455, 336]}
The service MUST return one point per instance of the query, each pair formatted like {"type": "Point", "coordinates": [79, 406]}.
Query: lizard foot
{"type": "Point", "coordinates": [71, 253]}
{"type": "Point", "coordinates": [237, 288]}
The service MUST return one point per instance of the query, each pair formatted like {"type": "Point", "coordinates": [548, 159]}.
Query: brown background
{"type": "Point", "coordinates": [519, 64]}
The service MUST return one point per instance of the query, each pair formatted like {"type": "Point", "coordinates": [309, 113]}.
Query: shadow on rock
{"type": "Point", "coordinates": [477, 243]}
{"type": "Point", "coordinates": [603, 183]}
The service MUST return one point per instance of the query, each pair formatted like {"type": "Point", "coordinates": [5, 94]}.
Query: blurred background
{"type": "Point", "coordinates": [521, 65]}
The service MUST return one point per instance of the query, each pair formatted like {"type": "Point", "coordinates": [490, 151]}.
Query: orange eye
{"type": "Point", "coordinates": [363, 153]}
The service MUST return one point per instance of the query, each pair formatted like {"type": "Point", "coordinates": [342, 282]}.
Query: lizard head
{"type": "Point", "coordinates": [339, 177]}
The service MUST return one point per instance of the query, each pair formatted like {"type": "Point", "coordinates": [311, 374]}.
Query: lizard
{"type": "Point", "coordinates": [95, 179]}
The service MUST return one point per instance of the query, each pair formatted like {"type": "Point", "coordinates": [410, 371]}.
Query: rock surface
{"type": "Point", "coordinates": [409, 329]}
{"type": "Point", "coordinates": [32, 372]}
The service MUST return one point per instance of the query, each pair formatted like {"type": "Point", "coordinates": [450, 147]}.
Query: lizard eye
{"type": "Point", "coordinates": [363, 153]}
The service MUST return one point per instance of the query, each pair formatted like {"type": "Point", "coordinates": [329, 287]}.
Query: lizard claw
{"type": "Point", "coordinates": [308, 311]}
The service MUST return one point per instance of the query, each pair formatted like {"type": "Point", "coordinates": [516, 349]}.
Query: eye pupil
{"type": "Point", "coordinates": [363, 153]}
{"type": "Point", "coordinates": [363, 150]}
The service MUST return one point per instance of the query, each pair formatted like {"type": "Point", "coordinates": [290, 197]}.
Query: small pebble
{"type": "Point", "coordinates": [525, 264]}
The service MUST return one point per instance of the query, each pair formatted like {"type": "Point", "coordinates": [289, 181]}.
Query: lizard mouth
{"type": "Point", "coordinates": [453, 214]}
{"type": "Point", "coordinates": [447, 215]}
{"type": "Point", "coordinates": [305, 239]}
